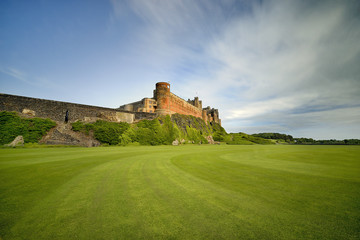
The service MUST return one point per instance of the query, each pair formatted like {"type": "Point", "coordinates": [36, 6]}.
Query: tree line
{"type": "Point", "coordinates": [306, 141]}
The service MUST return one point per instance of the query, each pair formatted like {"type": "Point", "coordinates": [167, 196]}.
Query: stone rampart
{"type": "Point", "coordinates": [144, 115]}
{"type": "Point", "coordinates": [179, 105]}
{"type": "Point", "coordinates": [56, 110]}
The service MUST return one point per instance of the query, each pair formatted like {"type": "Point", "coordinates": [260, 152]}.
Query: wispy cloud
{"type": "Point", "coordinates": [287, 59]}
{"type": "Point", "coordinates": [26, 79]}
{"type": "Point", "coordinates": [15, 73]}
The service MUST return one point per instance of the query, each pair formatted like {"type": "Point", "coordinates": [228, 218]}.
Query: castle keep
{"type": "Point", "coordinates": [165, 102]}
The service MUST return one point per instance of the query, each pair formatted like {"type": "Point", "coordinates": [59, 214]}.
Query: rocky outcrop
{"type": "Point", "coordinates": [18, 141]}
{"type": "Point", "coordinates": [175, 143]}
{"type": "Point", "coordinates": [210, 139]}
{"type": "Point", "coordinates": [28, 112]}
{"type": "Point", "coordinates": [63, 135]}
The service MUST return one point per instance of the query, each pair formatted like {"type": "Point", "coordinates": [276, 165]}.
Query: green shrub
{"type": "Point", "coordinates": [219, 133]}
{"type": "Point", "coordinates": [195, 135]}
{"type": "Point", "coordinates": [79, 126]}
{"type": "Point", "coordinates": [124, 139]}
{"type": "Point", "coordinates": [184, 121]}
{"type": "Point", "coordinates": [129, 136]}
{"type": "Point", "coordinates": [105, 132]}
{"type": "Point", "coordinates": [170, 130]}
{"type": "Point", "coordinates": [245, 139]}
{"type": "Point", "coordinates": [146, 136]}
{"type": "Point", "coordinates": [32, 129]}
{"type": "Point", "coordinates": [150, 132]}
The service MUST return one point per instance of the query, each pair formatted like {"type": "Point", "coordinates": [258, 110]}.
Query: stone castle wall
{"type": "Point", "coordinates": [169, 103]}
{"type": "Point", "coordinates": [179, 105]}
{"type": "Point", "coordinates": [163, 103]}
{"type": "Point", "coordinates": [56, 110]}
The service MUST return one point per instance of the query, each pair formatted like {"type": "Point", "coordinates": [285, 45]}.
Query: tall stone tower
{"type": "Point", "coordinates": [162, 96]}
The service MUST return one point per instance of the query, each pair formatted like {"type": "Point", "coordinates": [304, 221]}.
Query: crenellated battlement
{"type": "Point", "coordinates": [164, 102]}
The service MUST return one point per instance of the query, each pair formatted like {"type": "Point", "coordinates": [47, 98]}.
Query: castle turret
{"type": "Point", "coordinates": [162, 96]}
{"type": "Point", "coordinates": [204, 115]}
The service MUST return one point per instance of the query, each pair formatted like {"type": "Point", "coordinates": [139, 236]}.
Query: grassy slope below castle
{"type": "Point", "coordinates": [163, 131]}
{"type": "Point", "coordinates": [160, 131]}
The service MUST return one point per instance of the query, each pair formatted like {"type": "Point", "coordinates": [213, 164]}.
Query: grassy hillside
{"type": "Point", "coordinates": [245, 139]}
{"type": "Point", "coordinates": [186, 192]}
{"type": "Point", "coordinates": [160, 131]}
{"type": "Point", "coordinates": [163, 131]}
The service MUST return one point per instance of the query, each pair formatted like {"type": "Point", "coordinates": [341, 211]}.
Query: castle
{"type": "Point", "coordinates": [164, 102]}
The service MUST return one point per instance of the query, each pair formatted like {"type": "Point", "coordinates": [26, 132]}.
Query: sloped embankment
{"type": "Point", "coordinates": [63, 134]}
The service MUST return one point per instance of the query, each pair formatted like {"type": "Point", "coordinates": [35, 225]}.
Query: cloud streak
{"type": "Point", "coordinates": [26, 79]}
{"type": "Point", "coordinates": [291, 62]}
{"type": "Point", "coordinates": [15, 74]}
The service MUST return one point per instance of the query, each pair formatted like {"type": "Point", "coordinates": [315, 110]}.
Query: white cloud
{"type": "Point", "coordinates": [264, 60]}
{"type": "Point", "coordinates": [282, 59]}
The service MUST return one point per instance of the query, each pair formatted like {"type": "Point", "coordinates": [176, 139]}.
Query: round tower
{"type": "Point", "coordinates": [162, 96]}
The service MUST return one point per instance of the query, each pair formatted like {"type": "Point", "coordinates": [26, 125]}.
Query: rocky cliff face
{"type": "Point", "coordinates": [63, 135]}
{"type": "Point", "coordinates": [183, 121]}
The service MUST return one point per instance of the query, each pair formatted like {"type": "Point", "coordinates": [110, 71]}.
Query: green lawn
{"type": "Point", "coordinates": [185, 192]}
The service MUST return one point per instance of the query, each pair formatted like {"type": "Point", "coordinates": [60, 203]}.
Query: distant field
{"type": "Point", "coordinates": [185, 192]}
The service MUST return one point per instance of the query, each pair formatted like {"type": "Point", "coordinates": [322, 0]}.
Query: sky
{"type": "Point", "coordinates": [269, 66]}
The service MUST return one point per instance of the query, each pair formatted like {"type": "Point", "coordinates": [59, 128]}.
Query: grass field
{"type": "Point", "coordinates": [185, 192]}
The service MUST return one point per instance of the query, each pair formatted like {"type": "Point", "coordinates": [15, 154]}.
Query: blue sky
{"type": "Point", "coordinates": [268, 66]}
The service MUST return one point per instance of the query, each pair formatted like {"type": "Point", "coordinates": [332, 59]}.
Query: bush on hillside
{"type": "Point", "coordinates": [238, 139]}
{"type": "Point", "coordinates": [129, 136]}
{"type": "Point", "coordinates": [184, 121]}
{"type": "Point", "coordinates": [171, 130]}
{"type": "Point", "coordinates": [32, 129]}
{"type": "Point", "coordinates": [245, 139]}
{"type": "Point", "coordinates": [105, 132]}
{"type": "Point", "coordinates": [219, 133]}
{"type": "Point", "coordinates": [194, 135]}
{"type": "Point", "coordinates": [151, 132]}
{"type": "Point", "coordinates": [277, 136]}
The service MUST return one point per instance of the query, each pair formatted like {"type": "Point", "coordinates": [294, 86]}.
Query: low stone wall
{"type": "Point", "coordinates": [144, 115]}
{"type": "Point", "coordinates": [56, 110]}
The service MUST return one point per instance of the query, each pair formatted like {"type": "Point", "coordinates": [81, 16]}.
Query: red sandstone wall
{"type": "Point", "coordinates": [178, 105]}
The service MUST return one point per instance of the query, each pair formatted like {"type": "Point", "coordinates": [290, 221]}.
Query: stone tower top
{"type": "Point", "coordinates": [163, 85]}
